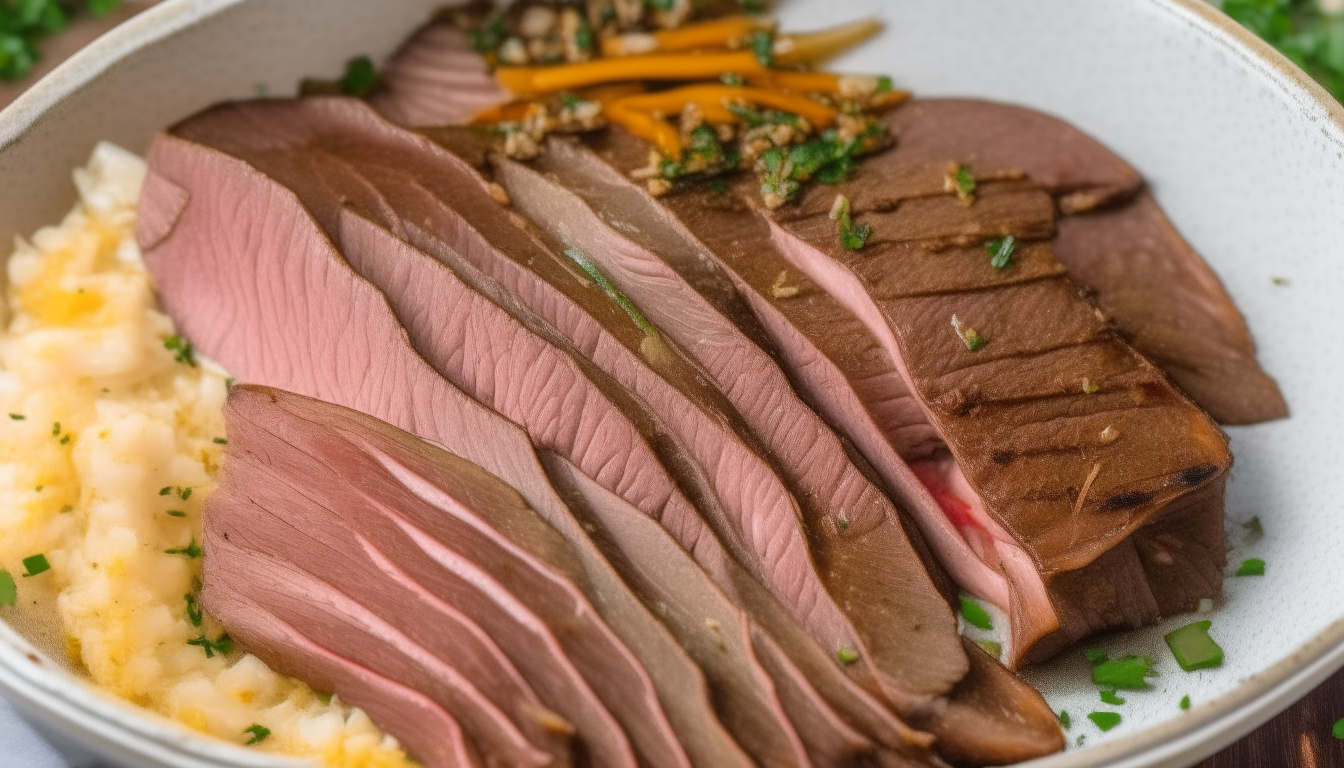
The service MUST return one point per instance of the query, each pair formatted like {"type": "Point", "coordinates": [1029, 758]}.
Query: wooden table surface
{"type": "Point", "coordinates": [1299, 738]}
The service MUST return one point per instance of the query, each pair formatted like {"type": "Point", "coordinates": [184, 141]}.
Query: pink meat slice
{"type": "Point", "coordinates": [226, 247]}
{"type": "Point", "coordinates": [428, 732]}
{"type": "Point", "coordinates": [435, 78]}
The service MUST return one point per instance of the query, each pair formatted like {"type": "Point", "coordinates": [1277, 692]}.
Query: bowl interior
{"type": "Point", "coordinates": [1244, 157]}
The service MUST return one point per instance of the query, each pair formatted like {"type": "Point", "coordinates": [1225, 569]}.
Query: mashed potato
{"type": "Point", "coordinates": [111, 434]}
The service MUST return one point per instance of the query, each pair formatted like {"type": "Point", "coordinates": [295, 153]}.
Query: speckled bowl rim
{"type": "Point", "coordinates": [40, 688]}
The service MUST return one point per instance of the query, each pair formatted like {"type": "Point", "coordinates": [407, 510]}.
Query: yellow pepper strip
{"type": "Point", "coordinates": [526, 82]}
{"type": "Point", "coordinates": [720, 33]}
{"type": "Point", "coordinates": [716, 97]}
{"type": "Point", "coordinates": [646, 126]}
{"type": "Point", "coordinates": [814, 47]}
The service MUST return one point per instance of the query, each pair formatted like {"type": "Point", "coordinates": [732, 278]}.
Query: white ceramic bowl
{"type": "Point", "coordinates": [1243, 151]}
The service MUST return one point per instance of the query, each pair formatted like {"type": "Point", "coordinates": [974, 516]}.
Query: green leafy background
{"type": "Point", "coordinates": [23, 24]}
{"type": "Point", "coordinates": [1310, 32]}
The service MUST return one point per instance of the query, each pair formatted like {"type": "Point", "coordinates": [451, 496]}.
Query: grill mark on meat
{"type": "Point", "coordinates": [1196, 475]}
{"type": "Point", "coordinates": [1126, 500]}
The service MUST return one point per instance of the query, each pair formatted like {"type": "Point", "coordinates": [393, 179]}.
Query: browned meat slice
{"type": "Point", "coordinates": [1163, 297]}
{"type": "Point", "coordinates": [1171, 307]}
{"type": "Point", "coordinates": [228, 248]}
{"type": "Point", "coordinates": [1059, 432]}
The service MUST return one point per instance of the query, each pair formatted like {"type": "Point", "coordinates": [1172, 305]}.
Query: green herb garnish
{"type": "Point", "coordinates": [1105, 720]}
{"type": "Point", "coordinates": [992, 647]}
{"type": "Point", "coordinates": [731, 78]}
{"type": "Point", "coordinates": [220, 441]}
{"type": "Point", "coordinates": [1001, 251]}
{"type": "Point", "coordinates": [852, 238]}
{"type": "Point", "coordinates": [583, 36]}
{"type": "Point", "coordinates": [1193, 648]}
{"type": "Point", "coordinates": [65, 439]}
{"type": "Point", "coordinates": [1096, 655]}
{"type": "Point", "coordinates": [1253, 528]}
{"type": "Point", "coordinates": [181, 349]}
{"type": "Point", "coordinates": [176, 513]}
{"type": "Point", "coordinates": [360, 76]}
{"type": "Point", "coordinates": [222, 647]}
{"type": "Point", "coordinates": [9, 591]}
{"type": "Point", "coordinates": [487, 37]}
{"type": "Point", "coordinates": [961, 181]}
{"type": "Point", "coordinates": [1185, 702]}
{"type": "Point", "coordinates": [17, 416]}
{"type": "Point", "coordinates": [194, 613]}
{"type": "Point", "coordinates": [35, 565]}
{"type": "Point", "coordinates": [191, 551]}
{"type": "Point", "coordinates": [1338, 730]}
{"type": "Point", "coordinates": [165, 490]}
{"type": "Point", "coordinates": [763, 45]}
{"type": "Point", "coordinates": [1065, 720]}
{"type": "Point", "coordinates": [259, 733]}
{"type": "Point", "coordinates": [612, 292]}
{"type": "Point", "coordinates": [969, 336]}
{"type": "Point", "coordinates": [1109, 697]}
{"type": "Point", "coordinates": [847, 656]}
{"type": "Point", "coordinates": [1127, 673]}
{"type": "Point", "coordinates": [184, 493]}
{"type": "Point", "coordinates": [1251, 567]}
{"type": "Point", "coordinates": [975, 614]}
{"type": "Point", "coordinates": [55, 429]}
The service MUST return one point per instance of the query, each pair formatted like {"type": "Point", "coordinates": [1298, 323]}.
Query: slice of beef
{"type": "Point", "coordinates": [230, 250]}
{"type": "Point", "coordinates": [1163, 297]}
{"type": "Point", "coordinates": [292, 437]}
{"type": "Point", "coordinates": [902, 621]}
{"type": "Point", "coordinates": [1171, 307]}
{"type": "Point", "coordinates": [652, 562]}
{"type": "Point", "coordinates": [742, 241]}
{"type": "Point", "coordinates": [829, 356]}
{"type": "Point", "coordinates": [428, 732]}
{"type": "Point", "coordinates": [1058, 430]}
{"type": "Point", "coordinates": [435, 78]}
{"type": "Point", "coordinates": [336, 622]}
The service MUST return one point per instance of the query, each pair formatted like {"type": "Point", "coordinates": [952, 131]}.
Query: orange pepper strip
{"type": "Point", "coordinates": [530, 81]}
{"type": "Point", "coordinates": [803, 82]}
{"type": "Point", "coordinates": [711, 96]}
{"type": "Point", "coordinates": [720, 33]}
{"type": "Point", "coordinates": [645, 126]}
{"type": "Point", "coordinates": [511, 112]}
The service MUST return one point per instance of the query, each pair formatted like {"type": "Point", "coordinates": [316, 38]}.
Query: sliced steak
{"type": "Point", "coordinates": [1163, 297]}
{"type": "Point", "coordinates": [435, 78]}
{"type": "Point", "coordinates": [228, 249]}
{"type": "Point", "coordinates": [428, 732]}
{"type": "Point", "coordinates": [865, 558]}
{"type": "Point", "coordinates": [659, 225]}
{"type": "Point", "coordinates": [1058, 431]}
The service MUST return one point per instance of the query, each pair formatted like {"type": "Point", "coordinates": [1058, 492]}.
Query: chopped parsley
{"type": "Point", "coordinates": [1105, 720]}
{"type": "Point", "coordinates": [1109, 697]}
{"type": "Point", "coordinates": [65, 439]}
{"type": "Point", "coordinates": [67, 508]}
{"type": "Point", "coordinates": [176, 513]}
{"type": "Point", "coordinates": [1128, 673]}
{"type": "Point", "coordinates": [55, 429]}
{"type": "Point", "coordinates": [181, 349]}
{"type": "Point", "coordinates": [612, 292]}
{"type": "Point", "coordinates": [165, 490]}
{"type": "Point", "coordinates": [194, 613]}
{"type": "Point", "coordinates": [1001, 251]}
{"type": "Point", "coordinates": [221, 647]}
{"type": "Point", "coordinates": [975, 614]}
{"type": "Point", "coordinates": [191, 551]}
{"type": "Point", "coordinates": [841, 524]}
{"type": "Point", "coordinates": [35, 565]}
{"type": "Point", "coordinates": [17, 416]}
{"type": "Point", "coordinates": [1253, 528]}
{"type": "Point", "coordinates": [969, 336]}
{"type": "Point", "coordinates": [220, 441]}
{"type": "Point", "coordinates": [9, 592]}
{"type": "Point", "coordinates": [490, 34]}
{"type": "Point", "coordinates": [1185, 702]}
{"type": "Point", "coordinates": [184, 493]}
{"type": "Point", "coordinates": [583, 36]}
{"type": "Point", "coordinates": [360, 77]}
{"type": "Point", "coordinates": [992, 647]}
{"type": "Point", "coordinates": [1338, 730]}
{"type": "Point", "coordinates": [1251, 567]}
{"type": "Point", "coordinates": [1096, 655]}
{"type": "Point", "coordinates": [1065, 720]}
{"type": "Point", "coordinates": [1090, 387]}
{"type": "Point", "coordinates": [961, 181]}
{"type": "Point", "coordinates": [846, 655]}
{"type": "Point", "coordinates": [763, 45]}
{"type": "Point", "coordinates": [259, 733]}
{"type": "Point", "coordinates": [1193, 648]}
{"type": "Point", "coordinates": [852, 238]}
